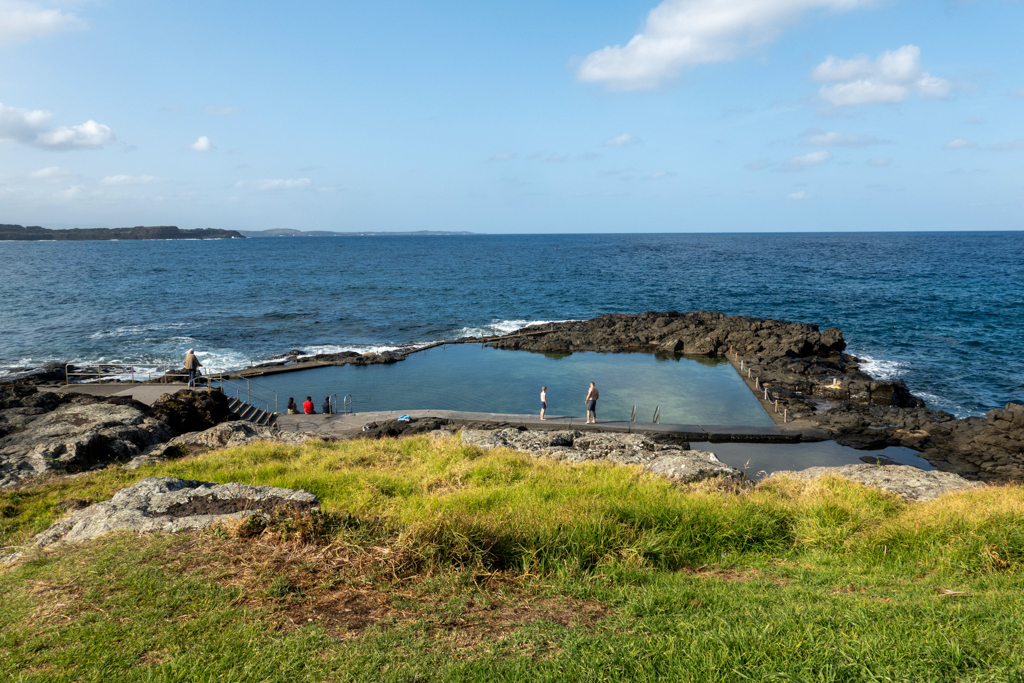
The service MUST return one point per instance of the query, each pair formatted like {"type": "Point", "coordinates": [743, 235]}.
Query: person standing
{"type": "Point", "coordinates": [592, 396]}
{"type": "Point", "coordinates": [307, 407]}
{"type": "Point", "coordinates": [543, 401]}
{"type": "Point", "coordinates": [192, 364]}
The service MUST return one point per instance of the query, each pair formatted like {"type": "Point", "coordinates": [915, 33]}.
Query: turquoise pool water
{"type": "Point", "coordinates": [472, 378]}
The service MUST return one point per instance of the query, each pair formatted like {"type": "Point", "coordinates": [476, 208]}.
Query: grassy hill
{"type": "Point", "coordinates": [437, 561]}
{"type": "Point", "coordinates": [139, 232]}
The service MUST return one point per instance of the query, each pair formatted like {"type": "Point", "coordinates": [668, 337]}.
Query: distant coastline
{"type": "Point", "coordinates": [139, 232]}
{"type": "Point", "coordinates": [289, 232]}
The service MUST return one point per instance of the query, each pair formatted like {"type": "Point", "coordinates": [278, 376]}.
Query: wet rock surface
{"type": "Point", "coordinates": [909, 483]}
{"type": "Point", "coordinates": [671, 460]}
{"type": "Point", "coordinates": [168, 505]}
{"type": "Point", "coordinates": [822, 389]}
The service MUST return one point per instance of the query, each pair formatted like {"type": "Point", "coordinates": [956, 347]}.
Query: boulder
{"type": "Point", "coordinates": [169, 505]}
{"type": "Point", "coordinates": [909, 483]}
{"type": "Point", "coordinates": [77, 436]}
{"type": "Point", "coordinates": [671, 460]}
{"type": "Point", "coordinates": [192, 411]}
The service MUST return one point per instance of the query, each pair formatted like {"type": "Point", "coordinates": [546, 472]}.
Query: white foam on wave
{"type": "Point", "coordinates": [882, 369]}
{"type": "Point", "coordinates": [132, 330]}
{"type": "Point", "coordinates": [310, 351]}
{"type": "Point", "coordinates": [499, 327]}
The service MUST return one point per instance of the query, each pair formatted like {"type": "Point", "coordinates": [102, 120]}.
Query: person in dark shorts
{"type": "Point", "coordinates": [592, 396]}
{"type": "Point", "coordinates": [543, 401]}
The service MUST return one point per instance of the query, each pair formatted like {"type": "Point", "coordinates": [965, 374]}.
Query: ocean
{"type": "Point", "coordinates": [942, 311]}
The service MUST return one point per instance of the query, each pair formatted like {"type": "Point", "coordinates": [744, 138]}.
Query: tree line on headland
{"type": "Point", "coordinates": [139, 232]}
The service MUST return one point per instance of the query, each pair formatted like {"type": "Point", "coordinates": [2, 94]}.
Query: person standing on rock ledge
{"type": "Point", "coordinates": [192, 364]}
{"type": "Point", "coordinates": [592, 396]}
{"type": "Point", "coordinates": [543, 401]}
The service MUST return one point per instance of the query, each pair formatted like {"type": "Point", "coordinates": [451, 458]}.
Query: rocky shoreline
{"type": "Point", "coordinates": [822, 391]}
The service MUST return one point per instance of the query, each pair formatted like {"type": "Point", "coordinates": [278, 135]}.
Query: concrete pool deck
{"type": "Point", "coordinates": [347, 426]}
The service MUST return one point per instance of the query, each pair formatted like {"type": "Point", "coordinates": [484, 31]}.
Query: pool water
{"type": "Point", "coordinates": [756, 459]}
{"type": "Point", "coordinates": [468, 377]}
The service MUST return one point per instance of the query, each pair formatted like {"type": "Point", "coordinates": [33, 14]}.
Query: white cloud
{"type": "Point", "coordinates": [620, 140]}
{"type": "Point", "coordinates": [88, 134]}
{"type": "Point", "coordinates": [805, 160]}
{"type": "Point", "coordinates": [48, 173]}
{"type": "Point", "coordinates": [282, 184]}
{"type": "Point", "coordinates": [556, 158]}
{"type": "Point", "coordinates": [21, 21]}
{"type": "Point", "coordinates": [959, 143]}
{"type": "Point", "coordinates": [32, 127]}
{"type": "Point", "coordinates": [800, 195]}
{"type": "Point", "coordinates": [880, 163]}
{"type": "Point", "coordinates": [819, 139]}
{"type": "Point", "coordinates": [130, 180]}
{"type": "Point", "coordinates": [503, 157]}
{"type": "Point", "coordinates": [219, 111]}
{"type": "Point", "coordinates": [202, 144]}
{"type": "Point", "coordinates": [684, 33]}
{"type": "Point", "coordinates": [890, 79]}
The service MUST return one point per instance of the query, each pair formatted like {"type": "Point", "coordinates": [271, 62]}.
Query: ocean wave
{"type": "Point", "coordinates": [132, 330]}
{"type": "Point", "coordinates": [882, 369]}
{"type": "Point", "coordinates": [499, 327]}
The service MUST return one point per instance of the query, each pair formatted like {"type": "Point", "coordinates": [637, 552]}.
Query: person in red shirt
{"type": "Point", "coordinates": [308, 406]}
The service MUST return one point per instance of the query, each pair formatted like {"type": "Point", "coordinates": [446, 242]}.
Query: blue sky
{"type": "Point", "coordinates": [689, 115]}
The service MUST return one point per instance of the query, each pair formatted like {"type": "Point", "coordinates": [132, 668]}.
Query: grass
{"type": "Point", "coordinates": [440, 561]}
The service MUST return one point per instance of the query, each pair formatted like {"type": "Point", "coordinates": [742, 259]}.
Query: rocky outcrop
{"type": "Point", "coordinates": [76, 436]}
{"type": "Point", "coordinates": [43, 433]}
{"type": "Point", "coordinates": [909, 483]}
{"type": "Point", "coordinates": [224, 435]}
{"type": "Point", "coordinates": [673, 461]}
{"type": "Point", "coordinates": [192, 411]}
{"type": "Point", "coordinates": [169, 505]}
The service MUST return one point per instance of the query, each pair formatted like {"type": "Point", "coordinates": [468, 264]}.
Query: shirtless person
{"type": "Point", "coordinates": [592, 396]}
{"type": "Point", "coordinates": [543, 401]}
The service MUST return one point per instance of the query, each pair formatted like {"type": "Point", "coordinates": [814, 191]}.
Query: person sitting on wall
{"type": "Point", "coordinates": [326, 407]}
{"type": "Point", "coordinates": [308, 406]}
{"type": "Point", "coordinates": [293, 408]}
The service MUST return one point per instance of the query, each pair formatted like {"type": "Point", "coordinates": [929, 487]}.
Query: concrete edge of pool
{"type": "Point", "coordinates": [345, 425]}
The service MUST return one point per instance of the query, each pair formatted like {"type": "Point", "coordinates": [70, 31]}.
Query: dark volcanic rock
{"type": "Point", "coordinates": [192, 411]}
{"type": "Point", "coordinates": [393, 428]}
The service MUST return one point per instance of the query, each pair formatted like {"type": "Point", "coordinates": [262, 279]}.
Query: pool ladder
{"type": "Point", "coordinates": [655, 420]}
{"type": "Point", "coordinates": [346, 404]}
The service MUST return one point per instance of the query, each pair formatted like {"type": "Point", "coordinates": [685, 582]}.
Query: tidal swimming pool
{"type": "Point", "coordinates": [481, 379]}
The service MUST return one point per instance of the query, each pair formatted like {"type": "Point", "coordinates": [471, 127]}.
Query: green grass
{"type": "Point", "coordinates": [465, 564]}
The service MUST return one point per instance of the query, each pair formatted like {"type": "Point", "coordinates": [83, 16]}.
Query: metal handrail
{"type": "Point", "coordinates": [657, 416]}
{"type": "Point", "coordinates": [346, 404]}
{"type": "Point", "coordinates": [632, 417]}
{"type": "Point", "coordinates": [151, 371]}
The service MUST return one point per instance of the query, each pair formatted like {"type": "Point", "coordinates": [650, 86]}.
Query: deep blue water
{"type": "Point", "coordinates": [941, 310]}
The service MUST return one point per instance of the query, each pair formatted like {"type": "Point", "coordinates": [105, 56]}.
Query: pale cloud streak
{"type": "Point", "coordinates": [48, 173]}
{"type": "Point", "coordinates": [959, 143]}
{"type": "Point", "coordinates": [620, 140]}
{"type": "Point", "coordinates": [202, 144]}
{"type": "Point", "coordinates": [282, 184]}
{"type": "Point", "coordinates": [806, 160]}
{"type": "Point", "coordinates": [685, 33]}
{"type": "Point", "coordinates": [889, 79]}
{"type": "Point", "coordinates": [799, 195]}
{"type": "Point", "coordinates": [833, 139]}
{"type": "Point", "coordinates": [131, 180]}
{"type": "Point", "coordinates": [22, 21]}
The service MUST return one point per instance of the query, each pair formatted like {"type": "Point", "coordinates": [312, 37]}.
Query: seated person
{"type": "Point", "coordinates": [308, 406]}
{"type": "Point", "coordinates": [326, 407]}
{"type": "Point", "coordinates": [293, 409]}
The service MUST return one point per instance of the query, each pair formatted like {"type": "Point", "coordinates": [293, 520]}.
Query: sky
{"type": "Point", "coordinates": [521, 117]}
